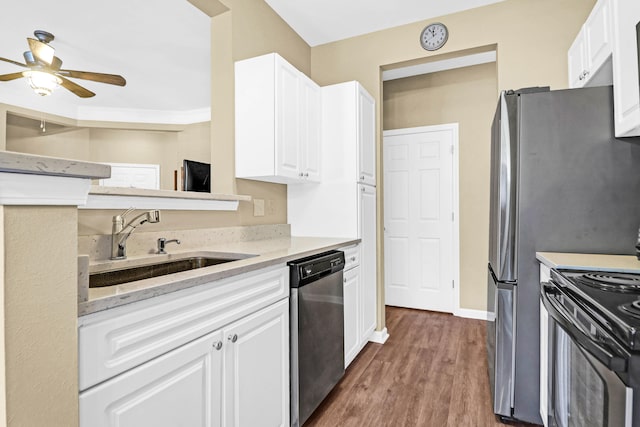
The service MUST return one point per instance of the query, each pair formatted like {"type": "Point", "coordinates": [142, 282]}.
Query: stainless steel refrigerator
{"type": "Point", "coordinates": [560, 182]}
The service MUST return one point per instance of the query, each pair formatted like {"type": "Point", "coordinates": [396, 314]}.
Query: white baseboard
{"type": "Point", "coordinates": [379, 337]}
{"type": "Point", "coordinates": [475, 314]}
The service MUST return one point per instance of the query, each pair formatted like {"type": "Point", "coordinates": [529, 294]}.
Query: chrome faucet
{"type": "Point", "coordinates": [119, 233]}
{"type": "Point", "coordinates": [162, 242]}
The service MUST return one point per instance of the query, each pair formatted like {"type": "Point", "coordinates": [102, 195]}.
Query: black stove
{"type": "Point", "coordinates": [613, 299]}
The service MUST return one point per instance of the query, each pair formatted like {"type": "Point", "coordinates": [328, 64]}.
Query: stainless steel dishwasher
{"type": "Point", "coordinates": [317, 331]}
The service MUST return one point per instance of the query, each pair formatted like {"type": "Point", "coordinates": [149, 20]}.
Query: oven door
{"type": "Point", "coordinates": [585, 389]}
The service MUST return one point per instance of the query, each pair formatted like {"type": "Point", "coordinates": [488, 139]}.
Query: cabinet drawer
{"type": "Point", "coordinates": [351, 256]}
{"type": "Point", "coordinates": [113, 341]}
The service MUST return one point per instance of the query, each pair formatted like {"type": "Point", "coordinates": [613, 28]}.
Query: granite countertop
{"type": "Point", "coordinates": [597, 262]}
{"type": "Point", "coordinates": [41, 165]}
{"type": "Point", "coordinates": [268, 252]}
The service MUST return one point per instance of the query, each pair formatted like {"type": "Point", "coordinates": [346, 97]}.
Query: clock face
{"type": "Point", "coordinates": [434, 36]}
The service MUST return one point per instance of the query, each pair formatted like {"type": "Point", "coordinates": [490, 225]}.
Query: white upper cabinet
{"type": "Point", "coordinates": [366, 137]}
{"type": "Point", "coordinates": [590, 54]}
{"type": "Point", "coordinates": [626, 85]}
{"type": "Point", "coordinates": [277, 122]}
{"type": "Point", "coordinates": [577, 61]}
{"type": "Point", "coordinates": [310, 127]}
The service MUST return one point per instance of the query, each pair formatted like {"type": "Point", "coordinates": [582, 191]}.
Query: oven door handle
{"type": "Point", "coordinates": [580, 335]}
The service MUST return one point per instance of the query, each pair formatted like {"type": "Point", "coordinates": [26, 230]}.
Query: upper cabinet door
{"type": "Point", "coordinates": [310, 149]}
{"type": "Point", "coordinates": [366, 137]}
{"type": "Point", "coordinates": [597, 35]}
{"type": "Point", "coordinates": [577, 61]}
{"type": "Point", "coordinates": [288, 118]}
{"type": "Point", "coordinates": [626, 85]}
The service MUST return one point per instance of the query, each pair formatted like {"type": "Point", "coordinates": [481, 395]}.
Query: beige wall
{"type": "Point", "coordinates": [531, 37]}
{"type": "Point", "coordinates": [3, 372]}
{"type": "Point", "coordinates": [101, 144]}
{"type": "Point", "coordinates": [40, 316]}
{"type": "Point", "coordinates": [466, 96]}
{"type": "Point", "coordinates": [250, 28]}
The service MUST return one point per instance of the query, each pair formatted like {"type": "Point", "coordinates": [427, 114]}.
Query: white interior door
{"type": "Point", "coordinates": [419, 217]}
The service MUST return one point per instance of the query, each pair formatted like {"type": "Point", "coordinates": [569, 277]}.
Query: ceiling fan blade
{"type": "Point", "coordinates": [13, 62]}
{"type": "Point", "coordinates": [41, 51]}
{"type": "Point", "coordinates": [75, 88]}
{"type": "Point", "coordinates": [112, 79]}
{"type": "Point", "coordinates": [56, 64]}
{"type": "Point", "coordinates": [9, 77]}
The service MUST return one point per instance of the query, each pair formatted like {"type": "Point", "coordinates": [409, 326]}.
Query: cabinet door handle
{"type": "Point", "coordinates": [361, 177]}
{"type": "Point", "coordinates": [217, 345]}
{"type": "Point", "coordinates": [344, 280]}
{"type": "Point", "coordinates": [233, 338]}
{"type": "Point", "coordinates": [362, 189]}
{"type": "Point", "coordinates": [353, 258]}
{"type": "Point", "coordinates": [306, 174]}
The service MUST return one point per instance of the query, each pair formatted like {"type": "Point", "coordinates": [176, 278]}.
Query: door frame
{"type": "Point", "coordinates": [454, 128]}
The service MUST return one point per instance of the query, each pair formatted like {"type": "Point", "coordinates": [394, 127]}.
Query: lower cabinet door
{"type": "Point", "coordinates": [368, 262]}
{"type": "Point", "coordinates": [351, 314]}
{"type": "Point", "coordinates": [256, 389]}
{"type": "Point", "coordinates": [181, 388]}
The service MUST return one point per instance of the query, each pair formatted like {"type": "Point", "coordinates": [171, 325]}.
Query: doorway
{"type": "Point", "coordinates": [420, 211]}
{"type": "Point", "coordinates": [466, 96]}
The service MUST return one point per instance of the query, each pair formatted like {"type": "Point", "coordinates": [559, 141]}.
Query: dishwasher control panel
{"type": "Point", "coordinates": [314, 267]}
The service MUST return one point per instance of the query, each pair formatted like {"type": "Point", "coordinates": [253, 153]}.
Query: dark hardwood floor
{"type": "Point", "coordinates": [431, 372]}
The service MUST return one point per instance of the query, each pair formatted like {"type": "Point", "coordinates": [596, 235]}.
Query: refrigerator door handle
{"type": "Point", "coordinates": [507, 199]}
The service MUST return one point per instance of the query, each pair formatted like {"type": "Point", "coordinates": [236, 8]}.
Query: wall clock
{"type": "Point", "coordinates": [434, 36]}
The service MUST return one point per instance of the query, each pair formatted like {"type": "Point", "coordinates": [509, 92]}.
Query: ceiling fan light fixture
{"type": "Point", "coordinates": [41, 82]}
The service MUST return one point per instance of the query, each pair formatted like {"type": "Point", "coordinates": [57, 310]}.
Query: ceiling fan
{"type": "Point", "coordinates": [44, 73]}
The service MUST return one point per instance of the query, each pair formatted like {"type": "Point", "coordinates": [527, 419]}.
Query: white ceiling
{"type": "Point", "coordinates": [162, 48]}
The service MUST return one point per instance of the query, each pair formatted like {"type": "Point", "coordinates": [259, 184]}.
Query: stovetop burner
{"type": "Point", "coordinates": [615, 282]}
{"type": "Point", "coordinates": [632, 308]}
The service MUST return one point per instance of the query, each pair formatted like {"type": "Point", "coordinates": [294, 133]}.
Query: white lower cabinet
{"type": "Point", "coordinates": [359, 310]}
{"type": "Point", "coordinates": [368, 263]}
{"type": "Point", "coordinates": [351, 315]}
{"type": "Point", "coordinates": [256, 369]}
{"type": "Point", "coordinates": [234, 374]}
{"type": "Point", "coordinates": [180, 388]}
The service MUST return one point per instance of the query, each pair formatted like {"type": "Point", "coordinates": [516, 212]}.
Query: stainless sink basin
{"type": "Point", "coordinates": [147, 271]}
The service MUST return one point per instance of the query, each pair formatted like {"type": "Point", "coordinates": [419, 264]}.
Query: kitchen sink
{"type": "Point", "coordinates": [147, 271]}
